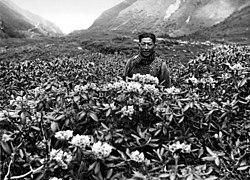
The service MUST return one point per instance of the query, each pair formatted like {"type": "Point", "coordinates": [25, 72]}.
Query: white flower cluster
{"type": "Point", "coordinates": [116, 85]}
{"type": "Point", "coordinates": [127, 111]}
{"type": "Point", "coordinates": [79, 88]}
{"type": "Point", "coordinates": [145, 79]}
{"type": "Point", "coordinates": [101, 150]}
{"type": "Point", "coordinates": [208, 80]}
{"type": "Point", "coordinates": [6, 137]}
{"type": "Point", "coordinates": [138, 84]}
{"type": "Point", "coordinates": [193, 80]}
{"type": "Point", "coordinates": [161, 109]}
{"type": "Point", "coordinates": [64, 135]}
{"type": "Point", "coordinates": [185, 148]}
{"type": "Point", "coordinates": [137, 156]}
{"type": "Point", "coordinates": [172, 90]}
{"type": "Point", "coordinates": [55, 178]}
{"type": "Point", "coordinates": [226, 76]}
{"type": "Point", "coordinates": [61, 157]}
{"type": "Point", "coordinates": [81, 141]}
{"type": "Point", "coordinates": [22, 101]}
{"type": "Point", "coordinates": [150, 88]}
{"type": "Point", "coordinates": [133, 87]}
{"type": "Point", "coordinates": [19, 100]}
{"type": "Point", "coordinates": [237, 67]}
{"type": "Point", "coordinates": [41, 144]}
{"type": "Point", "coordinates": [4, 113]}
{"type": "Point", "coordinates": [38, 90]}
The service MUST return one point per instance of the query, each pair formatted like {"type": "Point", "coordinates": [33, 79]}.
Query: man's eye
{"type": "Point", "coordinates": [149, 44]}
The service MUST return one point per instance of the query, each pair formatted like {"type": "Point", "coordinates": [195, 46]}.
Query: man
{"type": "Point", "coordinates": [146, 62]}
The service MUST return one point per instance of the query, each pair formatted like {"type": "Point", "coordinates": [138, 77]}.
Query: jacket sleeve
{"type": "Point", "coordinates": [164, 78]}
{"type": "Point", "coordinates": [127, 69]}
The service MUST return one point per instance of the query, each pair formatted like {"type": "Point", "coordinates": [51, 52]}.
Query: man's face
{"type": "Point", "coordinates": [146, 46]}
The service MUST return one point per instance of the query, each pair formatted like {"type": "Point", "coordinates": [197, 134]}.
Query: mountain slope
{"type": "Point", "coordinates": [16, 22]}
{"type": "Point", "coordinates": [11, 20]}
{"type": "Point", "coordinates": [172, 17]}
{"type": "Point", "coordinates": [235, 28]}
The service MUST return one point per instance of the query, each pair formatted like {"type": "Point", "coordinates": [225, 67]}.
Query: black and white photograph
{"type": "Point", "coordinates": [125, 89]}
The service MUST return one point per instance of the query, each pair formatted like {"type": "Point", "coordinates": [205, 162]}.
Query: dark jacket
{"type": "Point", "coordinates": [154, 66]}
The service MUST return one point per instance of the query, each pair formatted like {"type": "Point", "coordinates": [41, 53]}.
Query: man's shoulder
{"type": "Point", "coordinates": [133, 59]}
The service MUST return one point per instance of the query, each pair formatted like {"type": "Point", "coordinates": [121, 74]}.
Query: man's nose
{"type": "Point", "coordinates": [146, 46]}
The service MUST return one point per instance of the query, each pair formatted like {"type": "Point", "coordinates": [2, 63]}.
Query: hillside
{"type": "Point", "coordinates": [173, 17]}
{"type": "Point", "coordinates": [10, 21]}
{"type": "Point", "coordinates": [16, 22]}
{"type": "Point", "coordinates": [235, 28]}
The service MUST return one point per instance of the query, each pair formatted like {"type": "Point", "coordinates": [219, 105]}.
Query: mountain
{"type": "Point", "coordinates": [171, 17]}
{"type": "Point", "coordinates": [234, 28]}
{"type": "Point", "coordinates": [16, 22]}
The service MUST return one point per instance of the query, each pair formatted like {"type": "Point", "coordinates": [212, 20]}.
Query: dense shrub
{"type": "Point", "coordinates": [75, 118]}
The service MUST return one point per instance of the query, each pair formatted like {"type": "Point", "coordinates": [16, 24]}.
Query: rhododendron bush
{"type": "Point", "coordinates": [76, 118]}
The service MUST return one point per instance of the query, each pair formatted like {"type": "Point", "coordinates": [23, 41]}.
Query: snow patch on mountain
{"type": "Point", "coordinates": [188, 19]}
{"type": "Point", "coordinates": [172, 8]}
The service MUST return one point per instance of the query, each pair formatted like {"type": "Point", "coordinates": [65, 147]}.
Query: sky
{"type": "Point", "coordinates": [68, 15]}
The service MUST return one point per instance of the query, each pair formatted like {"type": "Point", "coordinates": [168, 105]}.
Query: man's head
{"type": "Point", "coordinates": [147, 44]}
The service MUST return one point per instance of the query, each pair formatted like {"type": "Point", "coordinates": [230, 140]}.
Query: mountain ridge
{"type": "Point", "coordinates": [173, 17]}
{"type": "Point", "coordinates": [17, 22]}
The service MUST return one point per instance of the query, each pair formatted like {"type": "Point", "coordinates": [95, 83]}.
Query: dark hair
{"type": "Point", "coordinates": [147, 35]}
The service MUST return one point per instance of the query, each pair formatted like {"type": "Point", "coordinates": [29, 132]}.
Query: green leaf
{"type": "Point", "coordinates": [82, 115]}
{"type": "Point", "coordinates": [93, 116]}
{"type": "Point", "coordinates": [211, 178]}
{"type": "Point", "coordinates": [164, 175]}
{"type": "Point", "coordinates": [190, 177]}
{"type": "Point", "coordinates": [92, 166]}
{"type": "Point", "coordinates": [108, 112]}
{"type": "Point", "coordinates": [109, 174]}
{"type": "Point", "coordinates": [6, 147]}
{"type": "Point", "coordinates": [40, 176]}
{"type": "Point", "coordinates": [217, 161]}
{"type": "Point", "coordinates": [242, 168]}
{"type": "Point", "coordinates": [100, 176]}
{"type": "Point", "coordinates": [210, 158]}
{"type": "Point", "coordinates": [137, 174]}
{"type": "Point", "coordinates": [60, 117]}
{"type": "Point", "coordinates": [35, 128]}
{"type": "Point", "coordinates": [210, 151]}
{"type": "Point", "coordinates": [186, 107]}
{"type": "Point", "coordinates": [77, 98]}
{"type": "Point", "coordinates": [54, 126]}
{"type": "Point", "coordinates": [97, 167]}
{"type": "Point", "coordinates": [242, 82]}
{"type": "Point", "coordinates": [181, 119]}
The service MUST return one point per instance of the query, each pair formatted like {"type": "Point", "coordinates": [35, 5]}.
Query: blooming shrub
{"type": "Point", "coordinates": [61, 157]}
{"type": "Point", "coordinates": [64, 135]}
{"type": "Point", "coordinates": [81, 141]}
{"type": "Point", "coordinates": [101, 150]}
{"type": "Point", "coordinates": [88, 123]}
{"type": "Point", "coordinates": [137, 156]}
